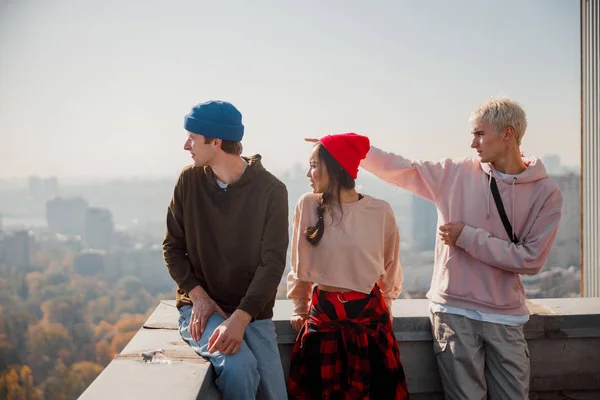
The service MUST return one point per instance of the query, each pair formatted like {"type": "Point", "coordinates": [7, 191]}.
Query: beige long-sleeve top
{"type": "Point", "coordinates": [358, 250]}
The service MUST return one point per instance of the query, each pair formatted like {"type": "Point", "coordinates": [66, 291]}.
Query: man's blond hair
{"type": "Point", "coordinates": [502, 112]}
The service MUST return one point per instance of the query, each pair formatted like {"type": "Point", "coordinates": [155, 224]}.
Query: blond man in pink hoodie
{"type": "Point", "coordinates": [477, 299]}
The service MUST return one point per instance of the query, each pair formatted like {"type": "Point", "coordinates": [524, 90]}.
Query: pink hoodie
{"type": "Point", "coordinates": [482, 271]}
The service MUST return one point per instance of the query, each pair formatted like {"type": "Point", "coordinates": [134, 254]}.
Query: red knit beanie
{"type": "Point", "coordinates": [347, 149]}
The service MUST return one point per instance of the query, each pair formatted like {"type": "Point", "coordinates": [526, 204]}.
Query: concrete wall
{"type": "Point", "coordinates": [563, 337]}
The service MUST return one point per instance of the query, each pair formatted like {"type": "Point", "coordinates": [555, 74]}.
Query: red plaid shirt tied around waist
{"type": "Point", "coordinates": [373, 322]}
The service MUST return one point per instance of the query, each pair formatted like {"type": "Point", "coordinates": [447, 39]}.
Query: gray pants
{"type": "Point", "coordinates": [478, 359]}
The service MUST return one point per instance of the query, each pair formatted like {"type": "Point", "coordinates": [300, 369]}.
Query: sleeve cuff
{"type": "Point", "coordinates": [188, 285]}
{"type": "Point", "coordinates": [253, 310]}
{"type": "Point", "coordinates": [392, 294]}
{"type": "Point", "coordinates": [370, 159]}
{"type": "Point", "coordinates": [466, 237]}
{"type": "Point", "coordinates": [300, 307]}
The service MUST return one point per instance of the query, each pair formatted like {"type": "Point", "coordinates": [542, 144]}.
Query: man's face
{"type": "Point", "coordinates": [202, 153]}
{"type": "Point", "coordinates": [486, 141]}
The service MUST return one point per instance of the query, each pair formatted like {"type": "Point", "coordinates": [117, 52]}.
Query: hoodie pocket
{"type": "Point", "coordinates": [468, 279]}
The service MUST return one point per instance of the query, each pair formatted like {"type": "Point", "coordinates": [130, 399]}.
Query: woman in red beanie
{"type": "Point", "coordinates": [345, 274]}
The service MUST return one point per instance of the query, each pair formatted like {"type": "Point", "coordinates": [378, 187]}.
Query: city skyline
{"type": "Point", "coordinates": [80, 100]}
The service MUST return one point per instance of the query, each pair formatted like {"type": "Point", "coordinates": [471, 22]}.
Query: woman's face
{"type": "Point", "coordinates": [317, 172]}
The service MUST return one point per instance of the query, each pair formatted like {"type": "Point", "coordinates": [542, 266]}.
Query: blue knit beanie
{"type": "Point", "coordinates": [215, 119]}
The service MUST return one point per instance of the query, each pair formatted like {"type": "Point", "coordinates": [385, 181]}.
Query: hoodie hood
{"type": "Point", "coordinates": [253, 169]}
{"type": "Point", "coordinates": [221, 197]}
{"type": "Point", "coordinates": [534, 172]}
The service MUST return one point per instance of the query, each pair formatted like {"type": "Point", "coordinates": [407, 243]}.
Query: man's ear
{"type": "Point", "coordinates": [509, 133]}
{"type": "Point", "coordinates": [217, 143]}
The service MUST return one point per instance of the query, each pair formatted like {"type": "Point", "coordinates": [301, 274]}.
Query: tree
{"type": "Point", "coordinates": [130, 285]}
{"type": "Point", "coordinates": [26, 380]}
{"type": "Point", "coordinates": [104, 331]}
{"type": "Point", "coordinates": [59, 385]}
{"type": "Point", "coordinates": [34, 283]}
{"type": "Point", "coordinates": [15, 326]}
{"type": "Point", "coordinates": [120, 341]}
{"type": "Point", "coordinates": [55, 278]}
{"type": "Point", "coordinates": [87, 287]}
{"type": "Point", "coordinates": [82, 374]}
{"type": "Point", "coordinates": [47, 343]}
{"type": "Point", "coordinates": [102, 309]}
{"type": "Point", "coordinates": [7, 354]}
{"type": "Point", "coordinates": [24, 288]}
{"type": "Point", "coordinates": [130, 322]}
{"type": "Point", "coordinates": [70, 311]}
{"type": "Point", "coordinates": [17, 384]}
{"type": "Point", "coordinates": [14, 391]}
{"type": "Point", "coordinates": [104, 353]}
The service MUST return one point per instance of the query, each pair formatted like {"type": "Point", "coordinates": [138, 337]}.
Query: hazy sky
{"type": "Point", "coordinates": [100, 88]}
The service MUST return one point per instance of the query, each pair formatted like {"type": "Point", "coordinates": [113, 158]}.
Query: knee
{"type": "Point", "coordinates": [242, 366]}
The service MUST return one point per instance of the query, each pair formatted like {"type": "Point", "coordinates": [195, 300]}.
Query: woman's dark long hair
{"type": "Point", "coordinates": [338, 179]}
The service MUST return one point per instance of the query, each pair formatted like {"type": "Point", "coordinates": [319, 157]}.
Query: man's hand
{"type": "Point", "coordinates": [202, 308]}
{"type": "Point", "coordinates": [297, 321]}
{"type": "Point", "coordinates": [450, 232]}
{"type": "Point", "coordinates": [228, 336]}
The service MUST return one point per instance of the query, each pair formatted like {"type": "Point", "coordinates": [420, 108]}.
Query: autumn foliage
{"type": "Point", "coordinates": [59, 329]}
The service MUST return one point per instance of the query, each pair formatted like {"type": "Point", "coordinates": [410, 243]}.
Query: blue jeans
{"type": "Point", "coordinates": [255, 371]}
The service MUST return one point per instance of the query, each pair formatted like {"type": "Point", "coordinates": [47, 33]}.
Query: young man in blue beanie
{"type": "Point", "coordinates": [225, 247]}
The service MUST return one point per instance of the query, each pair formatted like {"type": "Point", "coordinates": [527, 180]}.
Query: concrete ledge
{"type": "Point", "coordinates": [563, 337]}
{"type": "Point", "coordinates": [156, 364]}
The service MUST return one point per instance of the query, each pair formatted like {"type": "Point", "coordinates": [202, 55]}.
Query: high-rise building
{"type": "Point", "coordinates": [19, 249]}
{"type": "Point", "coordinates": [51, 188]}
{"type": "Point", "coordinates": [2, 247]}
{"type": "Point", "coordinates": [552, 164]}
{"type": "Point", "coordinates": [566, 251]}
{"type": "Point", "coordinates": [43, 188]}
{"type": "Point", "coordinates": [66, 215]}
{"type": "Point", "coordinates": [424, 221]}
{"type": "Point", "coordinates": [89, 262]}
{"type": "Point", "coordinates": [570, 223]}
{"type": "Point", "coordinates": [99, 229]}
{"type": "Point", "coordinates": [36, 187]}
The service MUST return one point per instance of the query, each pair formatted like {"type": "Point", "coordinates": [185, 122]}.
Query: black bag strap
{"type": "Point", "coordinates": [498, 200]}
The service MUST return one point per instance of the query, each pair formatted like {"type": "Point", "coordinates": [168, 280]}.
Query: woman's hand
{"type": "Point", "coordinates": [297, 321]}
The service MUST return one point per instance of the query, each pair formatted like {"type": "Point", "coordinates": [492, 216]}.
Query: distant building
{"type": "Point", "coordinates": [99, 229]}
{"type": "Point", "coordinates": [52, 242]}
{"type": "Point", "coordinates": [122, 240]}
{"type": "Point", "coordinates": [36, 187]}
{"type": "Point", "coordinates": [424, 221]}
{"type": "Point", "coordinates": [89, 262]}
{"type": "Point", "coordinates": [66, 215]}
{"type": "Point", "coordinates": [552, 164]}
{"type": "Point", "coordinates": [19, 249]}
{"type": "Point", "coordinates": [570, 224]}
{"type": "Point", "coordinates": [146, 263]}
{"type": "Point", "coordinates": [43, 188]}
{"type": "Point", "coordinates": [2, 247]}
{"type": "Point", "coordinates": [566, 251]}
